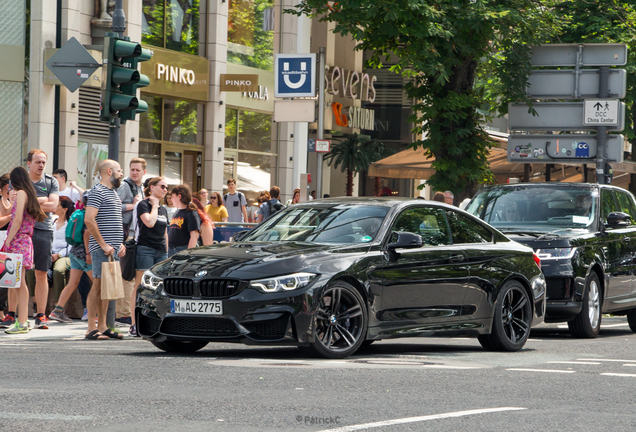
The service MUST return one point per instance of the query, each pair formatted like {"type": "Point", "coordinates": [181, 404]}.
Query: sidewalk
{"type": "Point", "coordinates": [57, 330]}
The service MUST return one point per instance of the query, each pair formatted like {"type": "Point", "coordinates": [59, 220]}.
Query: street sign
{"type": "Point", "coordinates": [594, 54]}
{"type": "Point", "coordinates": [556, 116]}
{"type": "Point", "coordinates": [295, 75]}
{"type": "Point", "coordinates": [601, 112]}
{"type": "Point", "coordinates": [323, 146]}
{"type": "Point", "coordinates": [72, 64]}
{"type": "Point", "coordinates": [561, 84]}
{"type": "Point", "coordinates": [565, 149]}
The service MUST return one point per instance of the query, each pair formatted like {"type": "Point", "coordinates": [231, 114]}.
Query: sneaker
{"type": "Point", "coordinates": [18, 328]}
{"type": "Point", "coordinates": [7, 322]}
{"type": "Point", "coordinates": [60, 316]}
{"type": "Point", "coordinates": [41, 322]}
{"type": "Point", "coordinates": [132, 331]}
{"type": "Point", "coordinates": [85, 315]}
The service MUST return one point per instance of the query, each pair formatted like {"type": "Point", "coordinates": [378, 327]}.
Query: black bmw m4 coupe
{"type": "Point", "coordinates": [331, 275]}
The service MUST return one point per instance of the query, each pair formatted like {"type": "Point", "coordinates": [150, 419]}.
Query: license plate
{"type": "Point", "coordinates": [197, 307]}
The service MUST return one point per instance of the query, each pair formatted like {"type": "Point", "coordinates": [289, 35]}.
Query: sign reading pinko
{"type": "Point", "coordinates": [295, 75]}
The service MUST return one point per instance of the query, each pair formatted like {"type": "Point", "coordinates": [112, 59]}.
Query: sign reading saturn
{"type": "Point", "coordinates": [295, 75]}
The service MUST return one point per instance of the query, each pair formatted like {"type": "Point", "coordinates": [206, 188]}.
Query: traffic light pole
{"type": "Point", "coordinates": [119, 26]}
{"type": "Point", "coordinates": [601, 132]}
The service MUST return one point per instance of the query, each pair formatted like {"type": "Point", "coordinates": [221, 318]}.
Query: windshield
{"type": "Point", "coordinates": [538, 208]}
{"type": "Point", "coordinates": [340, 224]}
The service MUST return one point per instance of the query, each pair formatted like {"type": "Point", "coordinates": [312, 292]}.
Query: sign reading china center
{"type": "Point", "coordinates": [295, 75]}
{"type": "Point", "coordinates": [175, 74]}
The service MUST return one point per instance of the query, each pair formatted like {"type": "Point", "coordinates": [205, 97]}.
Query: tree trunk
{"type": "Point", "coordinates": [349, 182]}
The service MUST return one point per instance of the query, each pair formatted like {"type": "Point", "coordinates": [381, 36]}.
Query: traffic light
{"type": "Point", "coordinates": [120, 78]}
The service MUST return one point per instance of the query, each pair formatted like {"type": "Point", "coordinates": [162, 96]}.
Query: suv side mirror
{"type": "Point", "coordinates": [405, 240]}
{"type": "Point", "coordinates": [239, 235]}
{"type": "Point", "coordinates": [618, 219]}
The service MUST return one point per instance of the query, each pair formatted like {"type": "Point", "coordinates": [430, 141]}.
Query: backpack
{"type": "Point", "coordinates": [75, 228]}
{"type": "Point", "coordinates": [273, 208]}
{"type": "Point", "coordinates": [239, 197]}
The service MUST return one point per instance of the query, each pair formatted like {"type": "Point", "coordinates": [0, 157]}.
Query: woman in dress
{"type": "Point", "coordinates": [5, 217]}
{"type": "Point", "coordinates": [216, 209]}
{"type": "Point", "coordinates": [25, 212]}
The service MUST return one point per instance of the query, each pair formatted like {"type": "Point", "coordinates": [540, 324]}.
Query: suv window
{"type": "Point", "coordinates": [608, 204]}
{"type": "Point", "coordinates": [466, 230]}
{"type": "Point", "coordinates": [427, 222]}
{"type": "Point", "coordinates": [627, 205]}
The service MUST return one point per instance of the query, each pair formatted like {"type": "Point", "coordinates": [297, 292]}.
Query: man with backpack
{"type": "Point", "coordinates": [268, 208]}
{"type": "Point", "coordinates": [47, 190]}
{"type": "Point", "coordinates": [235, 203]}
{"type": "Point", "coordinates": [130, 192]}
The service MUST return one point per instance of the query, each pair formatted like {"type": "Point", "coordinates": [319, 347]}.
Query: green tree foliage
{"type": "Point", "coordinates": [354, 154]}
{"type": "Point", "coordinates": [249, 28]}
{"type": "Point", "coordinates": [604, 21]}
{"type": "Point", "coordinates": [442, 45]}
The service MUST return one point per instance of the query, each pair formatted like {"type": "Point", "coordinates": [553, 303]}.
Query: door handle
{"type": "Point", "coordinates": [456, 258]}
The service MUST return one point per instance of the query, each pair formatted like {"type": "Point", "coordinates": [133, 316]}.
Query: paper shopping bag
{"type": "Point", "coordinates": [112, 284]}
{"type": "Point", "coordinates": [10, 270]}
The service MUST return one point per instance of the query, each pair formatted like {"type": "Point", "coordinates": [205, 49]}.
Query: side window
{"type": "Point", "coordinates": [427, 222]}
{"type": "Point", "coordinates": [627, 205]}
{"type": "Point", "coordinates": [466, 230]}
{"type": "Point", "coordinates": [608, 204]}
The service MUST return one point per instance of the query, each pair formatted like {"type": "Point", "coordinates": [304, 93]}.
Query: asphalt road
{"type": "Point", "coordinates": [58, 381]}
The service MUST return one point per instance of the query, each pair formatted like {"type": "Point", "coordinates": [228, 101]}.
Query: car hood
{"type": "Point", "coordinates": [550, 239]}
{"type": "Point", "coordinates": [252, 260]}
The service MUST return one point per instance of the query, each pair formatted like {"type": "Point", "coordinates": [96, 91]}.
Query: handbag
{"type": "Point", "coordinates": [10, 270]}
{"type": "Point", "coordinates": [128, 261]}
{"type": "Point", "coordinates": [112, 284]}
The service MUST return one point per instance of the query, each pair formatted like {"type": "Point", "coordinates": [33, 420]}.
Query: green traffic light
{"type": "Point", "coordinates": [124, 76]}
{"type": "Point", "coordinates": [142, 107]}
{"type": "Point", "coordinates": [120, 102]}
{"type": "Point", "coordinates": [125, 49]}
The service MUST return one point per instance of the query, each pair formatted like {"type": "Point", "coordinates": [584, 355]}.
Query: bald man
{"type": "Point", "coordinates": [103, 221]}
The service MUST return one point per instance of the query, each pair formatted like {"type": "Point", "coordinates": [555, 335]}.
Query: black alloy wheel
{"type": "Point", "coordinates": [587, 324]}
{"type": "Point", "coordinates": [340, 324]}
{"type": "Point", "coordinates": [511, 321]}
{"type": "Point", "coordinates": [175, 346]}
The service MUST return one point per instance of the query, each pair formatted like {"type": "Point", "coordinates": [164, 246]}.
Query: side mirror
{"type": "Point", "coordinates": [618, 219]}
{"type": "Point", "coordinates": [239, 235]}
{"type": "Point", "coordinates": [405, 240]}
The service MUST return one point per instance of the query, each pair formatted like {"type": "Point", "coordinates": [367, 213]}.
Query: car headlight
{"type": "Point", "coordinates": [150, 281]}
{"type": "Point", "coordinates": [556, 253]}
{"type": "Point", "coordinates": [283, 283]}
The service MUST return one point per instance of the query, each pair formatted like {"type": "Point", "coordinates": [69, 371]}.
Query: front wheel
{"type": "Point", "coordinates": [631, 319]}
{"type": "Point", "coordinates": [175, 346]}
{"type": "Point", "coordinates": [587, 323]}
{"type": "Point", "coordinates": [340, 323]}
{"type": "Point", "coordinates": [511, 321]}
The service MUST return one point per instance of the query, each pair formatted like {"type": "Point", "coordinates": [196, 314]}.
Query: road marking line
{"type": "Point", "coordinates": [540, 370]}
{"type": "Point", "coordinates": [28, 416]}
{"type": "Point", "coordinates": [630, 365]}
{"type": "Point", "coordinates": [619, 374]}
{"type": "Point", "coordinates": [449, 367]}
{"type": "Point", "coordinates": [614, 325]}
{"type": "Point", "coordinates": [609, 360]}
{"type": "Point", "coordinates": [420, 419]}
{"type": "Point", "coordinates": [575, 362]}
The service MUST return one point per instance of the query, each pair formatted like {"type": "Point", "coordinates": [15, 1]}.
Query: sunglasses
{"type": "Point", "coordinates": [164, 187]}
{"type": "Point", "coordinates": [212, 198]}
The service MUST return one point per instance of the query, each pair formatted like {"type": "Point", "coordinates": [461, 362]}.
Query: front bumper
{"type": "Point", "coordinates": [249, 317]}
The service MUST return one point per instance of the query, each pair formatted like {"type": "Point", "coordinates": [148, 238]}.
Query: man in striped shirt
{"type": "Point", "coordinates": [103, 221]}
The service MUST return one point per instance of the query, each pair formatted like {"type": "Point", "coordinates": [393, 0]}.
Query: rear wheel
{"type": "Point", "coordinates": [175, 346]}
{"type": "Point", "coordinates": [511, 321]}
{"type": "Point", "coordinates": [587, 323]}
{"type": "Point", "coordinates": [631, 319]}
{"type": "Point", "coordinates": [340, 323]}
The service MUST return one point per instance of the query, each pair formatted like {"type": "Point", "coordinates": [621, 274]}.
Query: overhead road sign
{"type": "Point", "coordinates": [564, 149]}
{"type": "Point", "coordinates": [72, 64]}
{"type": "Point", "coordinates": [561, 84]}
{"type": "Point", "coordinates": [594, 54]}
{"type": "Point", "coordinates": [556, 116]}
{"type": "Point", "coordinates": [295, 75]}
{"type": "Point", "coordinates": [601, 112]}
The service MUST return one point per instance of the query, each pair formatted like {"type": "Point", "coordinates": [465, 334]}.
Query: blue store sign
{"type": "Point", "coordinates": [295, 75]}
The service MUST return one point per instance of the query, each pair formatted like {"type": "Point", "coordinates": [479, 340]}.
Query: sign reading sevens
{"type": "Point", "coordinates": [295, 75]}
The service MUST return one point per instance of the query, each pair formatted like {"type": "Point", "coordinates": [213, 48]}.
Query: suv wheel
{"type": "Point", "coordinates": [631, 319]}
{"type": "Point", "coordinates": [587, 324]}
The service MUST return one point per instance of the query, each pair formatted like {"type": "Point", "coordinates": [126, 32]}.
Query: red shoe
{"type": "Point", "coordinates": [7, 321]}
{"type": "Point", "coordinates": [41, 322]}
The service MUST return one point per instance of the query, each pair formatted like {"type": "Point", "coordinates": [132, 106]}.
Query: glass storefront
{"type": "Point", "coordinates": [250, 152]}
{"type": "Point", "coordinates": [250, 33]}
{"type": "Point", "coordinates": [177, 25]}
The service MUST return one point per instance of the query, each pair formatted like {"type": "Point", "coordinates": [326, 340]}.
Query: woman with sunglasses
{"type": "Point", "coordinates": [216, 210]}
{"type": "Point", "coordinates": [151, 233]}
